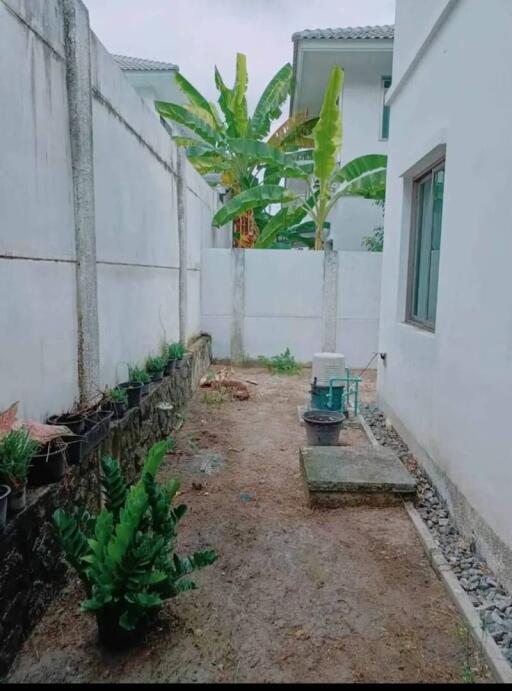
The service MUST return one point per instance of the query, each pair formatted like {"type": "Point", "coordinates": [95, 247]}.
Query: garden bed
{"type": "Point", "coordinates": [338, 595]}
{"type": "Point", "coordinates": [31, 569]}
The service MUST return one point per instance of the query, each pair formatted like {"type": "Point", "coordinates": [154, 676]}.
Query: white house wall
{"type": "Point", "coordinates": [448, 391]}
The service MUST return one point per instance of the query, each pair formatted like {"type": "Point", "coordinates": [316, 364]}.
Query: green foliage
{"type": "Point", "coordinates": [125, 555]}
{"type": "Point", "coordinates": [235, 145]}
{"type": "Point", "coordinates": [176, 351]}
{"type": "Point", "coordinates": [118, 395]}
{"type": "Point", "coordinates": [138, 375]}
{"type": "Point", "coordinates": [284, 363]}
{"type": "Point", "coordinates": [375, 241]}
{"type": "Point", "coordinates": [250, 199]}
{"type": "Point", "coordinates": [215, 397]}
{"type": "Point", "coordinates": [16, 451]}
{"type": "Point", "coordinates": [155, 363]}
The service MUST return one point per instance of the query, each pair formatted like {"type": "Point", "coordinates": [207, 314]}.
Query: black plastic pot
{"type": "Point", "coordinates": [49, 464]}
{"type": "Point", "coordinates": [17, 499]}
{"type": "Point", "coordinates": [73, 421]}
{"type": "Point", "coordinates": [110, 634]}
{"type": "Point", "coordinates": [145, 389]}
{"type": "Point", "coordinates": [98, 430]}
{"type": "Point", "coordinates": [323, 427]}
{"type": "Point", "coordinates": [5, 492]}
{"type": "Point", "coordinates": [157, 376]}
{"type": "Point", "coordinates": [169, 367]}
{"type": "Point", "coordinates": [74, 450]}
{"type": "Point", "coordinates": [134, 392]}
{"type": "Point", "coordinates": [118, 409]}
{"type": "Point", "coordinates": [178, 364]}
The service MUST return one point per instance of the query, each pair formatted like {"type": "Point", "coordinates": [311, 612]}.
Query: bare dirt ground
{"type": "Point", "coordinates": [296, 595]}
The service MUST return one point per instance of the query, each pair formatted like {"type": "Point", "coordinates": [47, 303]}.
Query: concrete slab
{"type": "Point", "coordinates": [351, 475]}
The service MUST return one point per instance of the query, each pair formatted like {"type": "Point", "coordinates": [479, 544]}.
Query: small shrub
{"type": "Point", "coordinates": [125, 556]}
{"type": "Point", "coordinates": [155, 364]}
{"type": "Point", "coordinates": [16, 451]}
{"type": "Point", "coordinates": [118, 395]}
{"type": "Point", "coordinates": [138, 375]}
{"type": "Point", "coordinates": [176, 351]}
{"type": "Point", "coordinates": [374, 242]}
{"type": "Point", "coordinates": [215, 396]}
{"type": "Point", "coordinates": [284, 363]}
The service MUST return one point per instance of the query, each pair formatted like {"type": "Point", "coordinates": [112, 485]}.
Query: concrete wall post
{"type": "Point", "coordinates": [238, 305]}
{"type": "Point", "coordinates": [330, 299]}
{"type": "Point", "coordinates": [78, 75]}
{"type": "Point", "coordinates": [181, 193]}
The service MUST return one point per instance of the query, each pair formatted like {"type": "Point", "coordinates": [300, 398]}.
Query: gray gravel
{"type": "Point", "coordinates": [487, 595]}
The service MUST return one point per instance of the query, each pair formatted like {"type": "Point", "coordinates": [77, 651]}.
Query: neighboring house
{"type": "Point", "coordinates": [446, 312]}
{"type": "Point", "coordinates": [152, 80]}
{"type": "Point", "coordinates": [366, 55]}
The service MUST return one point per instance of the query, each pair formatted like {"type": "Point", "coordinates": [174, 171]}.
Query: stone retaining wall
{"type": "Point", "coordinates": [31, 568]}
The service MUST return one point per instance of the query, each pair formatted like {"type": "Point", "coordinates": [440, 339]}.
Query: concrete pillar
{"type": "Point", "coordinates": [330, 300]}
{"type": "Point", "coordinates": [181, 192]}
{"type": "Point", "coordinates": [238, 305]}
{"type": "Point", "coordinates": [78, 62]}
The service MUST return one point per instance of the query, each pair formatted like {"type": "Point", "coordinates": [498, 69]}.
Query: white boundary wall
{"type": "Point", "coordinates": [259, 302]}
{"type": "Point", "coordinates": [50, 353]}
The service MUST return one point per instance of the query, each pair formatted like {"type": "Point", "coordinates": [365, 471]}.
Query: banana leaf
{"type": "Point", "coordinates": [249, 199]}
{"type": "Point", "coordinates": [239, 102]}
{"type": "Point", "coordinates": [262, 153]}
{"type": "Point", "coordinates": [328, 131]}
{"type": "Point", "coordinates": [296, 132]}
{"type": "Point", "coordinates": [225, 102]}
{"type": "Point", "coordinates": [193, 95]}
{"type": "Point", "coordinates": [360, 166]}
{"type": "Point", "coordinates": [179, 114]}
{"type": "Point", "coordinates": [272, 98]}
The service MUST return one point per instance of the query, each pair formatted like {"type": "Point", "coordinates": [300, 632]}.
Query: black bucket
{"type": "Point", "coordinates": [134, 393]}
{"type": "Point", "coordinates": [48, 464]}
{"type": "Point", "coordinates": [323, 427]}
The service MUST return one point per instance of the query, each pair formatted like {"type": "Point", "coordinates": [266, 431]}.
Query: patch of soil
{"type": "Point", "coordinates": [297, 595]}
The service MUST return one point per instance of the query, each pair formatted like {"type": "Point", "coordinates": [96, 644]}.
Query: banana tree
{"type": "Point", "coordinates": [324, 180]}
{"type": "Point", "coordinates": [235, 145]}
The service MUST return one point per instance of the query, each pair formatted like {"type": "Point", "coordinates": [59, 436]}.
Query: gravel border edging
{"type": "Point", "coordinates": [452, 566]}
{"type": "Point", "coordinates": [490, 650]}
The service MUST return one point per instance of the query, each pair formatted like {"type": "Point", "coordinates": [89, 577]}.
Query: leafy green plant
{"type": "Point", "coordinates": [176, 351]}
{"type": "Point", "coordinates": [125, 555]}
{"type": "Point", "coordinates": [375, 241]}
{"type": "Point", "coordinates": [236, 146]}
{"type": "Point", "coordinates": [284, 363]}
{"type": "Point", "coordinates": [138, 375]}
{"type": "Point", "coordinates": [155, 363]}
{"type": "Point", "coordinates": [16, 451]}
{"type": "Point", "coordinates": [324, 180]}
{"type": "Point", "coordinates": [118, 395]}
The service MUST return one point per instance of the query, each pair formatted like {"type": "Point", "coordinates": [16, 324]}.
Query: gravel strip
{"type": "Point", "coordinates": [489, 598]}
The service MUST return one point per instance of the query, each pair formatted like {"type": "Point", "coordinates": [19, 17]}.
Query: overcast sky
{"type": "Point", "coordinates": [198, 34]}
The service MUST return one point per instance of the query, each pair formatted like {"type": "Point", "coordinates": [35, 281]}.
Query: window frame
{"type": "Point", "coordinates": [383, 90]}
{"type": "Point", "coordinates": [428, 172]}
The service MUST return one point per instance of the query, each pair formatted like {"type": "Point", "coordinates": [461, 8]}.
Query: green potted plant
{"type": "Point", "coordinates": [125, 555]}
{"type": "Point", "coordinates": [16, 451]}
{"type": "Point", "coordinates": [118, 400]}
{"type": "Point", "coordinates": [155, 366]}
{"type": "Point", "coordinates": [139, 375]}
{"type": "Point", "coordinates": [176, 353]}
{"type": "Point", "coordinates": [134, 385]}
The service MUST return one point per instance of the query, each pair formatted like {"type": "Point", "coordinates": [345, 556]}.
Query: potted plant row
{"type": "Point", "coordinates": [30, 453]}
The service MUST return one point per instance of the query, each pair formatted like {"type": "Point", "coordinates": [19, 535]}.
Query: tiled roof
{"type": "Point", "coordinates": [349, 32]}
{"type": "Point", "coordinates": [141, 65]}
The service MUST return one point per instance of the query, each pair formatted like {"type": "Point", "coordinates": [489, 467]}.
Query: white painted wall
{"type": "Point", "coordinates": [283, 303]}
{"type": "Point", "coordinates": [136, 218]}
{"type": "Point", "coordinates": [448, 391]}
{"type": "Point", "coordinates": [365, 62]}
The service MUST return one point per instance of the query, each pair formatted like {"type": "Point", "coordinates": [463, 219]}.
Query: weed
{"type": "Point", "coordinates": [284, 363]}
{"type": "Point", "coordinates": [215, 396]}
